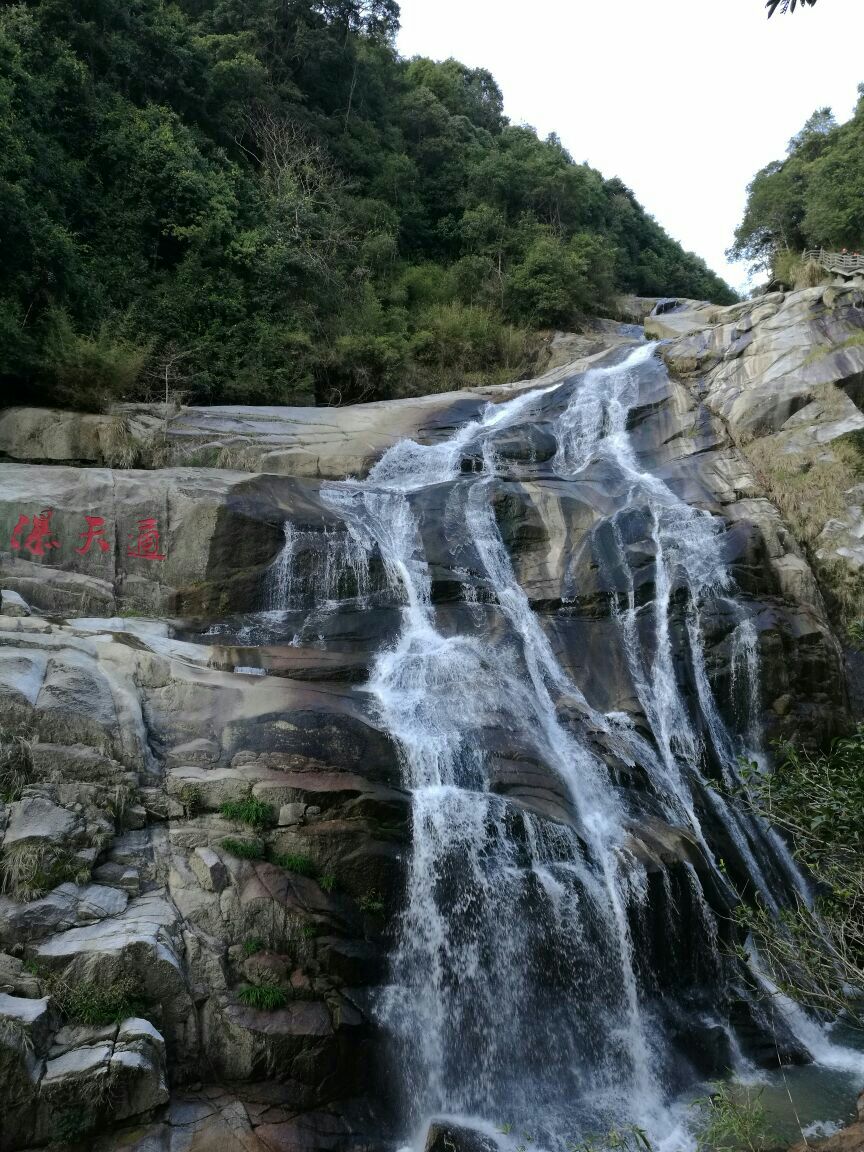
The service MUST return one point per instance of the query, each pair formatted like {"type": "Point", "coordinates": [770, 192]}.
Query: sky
{"type": "Point", "coordinates": [684, 100]}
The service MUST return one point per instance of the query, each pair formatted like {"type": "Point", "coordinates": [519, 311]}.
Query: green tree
{"type": "Point", "coordinates": [266, 186]}
{"type": "Point", "coordinates": [812, 198]}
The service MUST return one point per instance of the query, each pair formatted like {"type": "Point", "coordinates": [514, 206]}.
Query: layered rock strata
{"type": "Point", "coordinates": [205, 828]}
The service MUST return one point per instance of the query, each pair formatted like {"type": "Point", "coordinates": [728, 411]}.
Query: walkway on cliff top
{"type": "Point", "coordinates": [843, 263]}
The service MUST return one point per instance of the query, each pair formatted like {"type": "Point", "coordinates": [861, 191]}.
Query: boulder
{"type": "Point", "coordinates": [13, 604]}
{"type": "Point", "coordinates": [25, 1029]}
{"type": "Point", "coordinates": [99, 1073]}
{"type": "Point", "coordinates": [35, 819]}
{"type": "Point", "coordinates": [444, 1136]}
{"type": "Point", "coordinates": [208, 867]}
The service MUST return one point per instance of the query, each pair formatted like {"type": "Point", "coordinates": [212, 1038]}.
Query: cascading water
{"type": "Point", "coordinates": [518, 994]}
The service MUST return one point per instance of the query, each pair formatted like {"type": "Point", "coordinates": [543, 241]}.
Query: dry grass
{"type": "Point", "coordinates": [91, 1003]}
{"type": "Point", "coordinates": [119, 447]}
{"type": "Point", "coordinates": [157, 453]}
{"type": "Point", "coordinates": [853, 341]}
{"type": "Point", "coordinates": [16, 766]}
{"type": "Point", "coordinates": [239, 457]}
{"type": "Point", "coordinates": [809, 489]}
{"type": "Point", "coordinates": [791, 269]}
{"type": "Point", "coordinates": [28, 871]}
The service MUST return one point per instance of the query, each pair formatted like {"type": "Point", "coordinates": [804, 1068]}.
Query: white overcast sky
{"type": "Point", "coordinates": [683, 99]}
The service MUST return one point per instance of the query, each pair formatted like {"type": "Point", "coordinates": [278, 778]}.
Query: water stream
{"type": "Point", "coordinates": [524, 991]}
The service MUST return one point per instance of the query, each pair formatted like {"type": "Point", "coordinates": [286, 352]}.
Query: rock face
{"type": "Point", "coordinates": [328, 443]}
{"type": "Point", "coordinates": [184, 539]}
{"type": "Point", "coordinates": [206, 831]}
{"type": "Point", "coordinates": [785, 374]}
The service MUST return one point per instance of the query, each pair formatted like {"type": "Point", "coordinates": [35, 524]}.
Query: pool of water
{"type": "Point", "coordinates": [811, 1100]}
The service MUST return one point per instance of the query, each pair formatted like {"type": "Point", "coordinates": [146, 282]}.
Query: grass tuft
{"type": "Point", "coordinates": [266, 998]}
{"type": "Point", "coordinates": [95, 1004]}
{"type": "Point", "coordinates": [295, 862]}
{"type": "Point", "coordinates": [16, 766]}
{"type": "Point", "coordinates": [192, 799]}
{"type": "Point", "coordinates": [28, 871]}
{"type": "Point", "coordinates": [732, 1119]}
{"type": "Point", "coordinates": [250, 811]}
{"type": "Point", "coordinates": [244, 849]}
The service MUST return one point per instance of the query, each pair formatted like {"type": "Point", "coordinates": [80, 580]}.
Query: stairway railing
{"type": "Point", "coordinates": [843, 262]}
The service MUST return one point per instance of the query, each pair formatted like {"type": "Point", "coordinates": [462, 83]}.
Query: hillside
{"type": "Point", "coordinates": [260, 202]}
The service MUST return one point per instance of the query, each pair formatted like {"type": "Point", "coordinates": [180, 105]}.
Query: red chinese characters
{"type": "Point", "coordinates": [38, 539]}
{"type": "Point", "coordinates": [34, 535]}
{"type": "Point", "coordinates": [93, 535]}
{"type": "Point", "coordinates": [146, 546]}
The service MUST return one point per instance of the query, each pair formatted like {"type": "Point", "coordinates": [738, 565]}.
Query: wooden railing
{"type": "Point", "coordinates": [843, 262]}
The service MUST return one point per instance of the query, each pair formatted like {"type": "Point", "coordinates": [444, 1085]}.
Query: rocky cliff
{"type": "Point", "coordinates": [208, 844]}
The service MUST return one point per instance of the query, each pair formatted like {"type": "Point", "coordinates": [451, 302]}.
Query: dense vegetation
{"type": "Point", "coordinates": [258, 200]}
{"type": "Point", "coordinates": [816, 954]}
{"type": "Point", "coordinates": [812, 199]}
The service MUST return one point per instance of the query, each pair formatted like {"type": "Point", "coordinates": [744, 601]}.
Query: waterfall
{"type": "Point", "coordinates": [517, 992]}
{"type": "Point", "coordinates": [317, 567]}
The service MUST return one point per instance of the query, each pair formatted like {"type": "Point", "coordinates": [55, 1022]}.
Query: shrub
{"type": "Point", "coordinates": [250, 811]}
{"type": "Point", "coordinates": [816, 955]}
{"type": "Point", "coordinates": [253, 945]}
{"type": "Point", "coordinates": [266, 998]}
{"type": "Point", "coordinates": [28, 871]}
{"type": "Point", "coordinates": [90, 372]}
{"type": "Point", "coordinates": [295, 862]}
{"type": "Point", "coordinates": [372, 903]}
{"type": "Point", "coordinates": [732, 1119]}
{"type": "Point", "coordinates": [244, 849]}
{"type": "Point", "coordinates": [794, 272]}
{"type": "Point", "coordinates": [328, 883]}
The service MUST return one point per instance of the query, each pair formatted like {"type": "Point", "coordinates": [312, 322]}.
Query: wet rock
{"type": "Point", "coordinates": [444, 1136]}
{"type": "Point", "coordinates": [145, 723]}
{"type": "Point", "coordinates": [312, 1132]}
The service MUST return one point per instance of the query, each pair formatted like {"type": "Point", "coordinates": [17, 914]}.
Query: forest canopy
{"type": "Point", "coordinates": [259, 201]}
{"type": "Point", "coordinates": [814, 198]}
